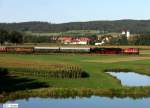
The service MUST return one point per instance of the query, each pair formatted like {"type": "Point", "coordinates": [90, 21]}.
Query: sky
{"type": "Point", "coordinates": [62, 11]}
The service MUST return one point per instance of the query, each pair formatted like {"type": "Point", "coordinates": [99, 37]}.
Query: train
{"type": "Point", "coordinates": [89, 50]}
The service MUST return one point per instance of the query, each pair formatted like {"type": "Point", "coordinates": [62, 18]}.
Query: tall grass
{"type": "Point", "coordinates": [133, 92]}
{"type": "Point", "coordinates": [68, 71]}
{"type": "Point", "coordinates": [42, 69]}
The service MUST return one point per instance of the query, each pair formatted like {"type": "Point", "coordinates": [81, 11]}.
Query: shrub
{"type": "Point", "coordinates": [3, 71]}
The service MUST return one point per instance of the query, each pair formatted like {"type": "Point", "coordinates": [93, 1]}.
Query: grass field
{"type": "Point", "coordinates": [93, 65]}
{"type": "Point", "coordinates": [70, 33]}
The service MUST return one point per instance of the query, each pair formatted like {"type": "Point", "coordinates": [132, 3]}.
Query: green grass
{"type": "Point", "coordinates": [99, 82]}
{"type": "Point", "coordinates": [70, 33]}
{"type": "Point", "coordinates": [98, 78]}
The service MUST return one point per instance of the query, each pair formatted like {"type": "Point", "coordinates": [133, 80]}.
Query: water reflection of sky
{"type": "Point", "coordinates": [93, 102]}
{"type": "Point", "coordinates": [132, 79]}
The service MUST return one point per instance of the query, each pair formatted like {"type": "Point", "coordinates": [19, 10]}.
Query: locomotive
{"type": "Point", "coordinates": [89, 50]}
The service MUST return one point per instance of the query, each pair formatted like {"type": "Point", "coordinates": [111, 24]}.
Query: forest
{"type": "Point", "coordinates": [136, 26]}
{"type": "Point", "coordinates": [28, 32]}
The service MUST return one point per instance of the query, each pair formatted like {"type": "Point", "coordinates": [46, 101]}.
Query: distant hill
{"type": "Point", "coordinates": [135, 26]}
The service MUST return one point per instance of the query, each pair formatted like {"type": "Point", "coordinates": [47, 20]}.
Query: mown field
{"type": "Point", "coordinates": [93, 65]}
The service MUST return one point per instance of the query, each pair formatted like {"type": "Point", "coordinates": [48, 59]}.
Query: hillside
{"type": "Point", "coordinates": [135, 26]}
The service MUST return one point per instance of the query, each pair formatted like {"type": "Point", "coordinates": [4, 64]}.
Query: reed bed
{"type": "Point", "coordinates": [24, 67]}
{"type": "Point", "coordinates": [132, 92]}
{"type": "Point", "coordinates": [68, 71]}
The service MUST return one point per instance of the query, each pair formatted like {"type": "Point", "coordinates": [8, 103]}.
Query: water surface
{"type": "Point", "coordinates": [131, 78]}
{"type": "Point", "coordinates": [92, 102]}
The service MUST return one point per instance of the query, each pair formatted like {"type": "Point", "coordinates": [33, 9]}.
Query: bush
{"type": "Point", "coordinates": [3, 71]}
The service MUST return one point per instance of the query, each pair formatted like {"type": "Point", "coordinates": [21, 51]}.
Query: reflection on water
{"type": "Point", "coordinates": [128, 79]}
{"type": "Point", "coordinates": [93, 102]}
{"type": "Point", "coordinates": [131, 78]}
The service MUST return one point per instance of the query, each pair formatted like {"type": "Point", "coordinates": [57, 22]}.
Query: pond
{"type": "Point", "coordinates": [131, 78]}
{"type": "Point", "coordinates": [91, 102]}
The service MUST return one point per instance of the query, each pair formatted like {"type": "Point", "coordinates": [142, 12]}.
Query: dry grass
{"type": "Point", "coordinates": [25, 67]}
{"type": "Point", "coordinates": [17, 62]}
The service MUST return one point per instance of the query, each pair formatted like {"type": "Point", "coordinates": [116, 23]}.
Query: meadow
{"type": "Point", "coordinates": [97, 80]}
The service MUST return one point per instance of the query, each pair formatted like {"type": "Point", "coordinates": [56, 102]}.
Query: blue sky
{"type": "Point", "coordinates": [59, 11]}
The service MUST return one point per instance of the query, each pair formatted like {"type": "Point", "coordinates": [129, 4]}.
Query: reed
{"type": "Point", "coordinates": [68, 71]}
{"type": "Point", "coordinates": [132, 92]}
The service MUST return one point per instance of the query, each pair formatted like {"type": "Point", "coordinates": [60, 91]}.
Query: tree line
{"type": "Point", "coordinates": [10, 37]}
{"type": "Point", "coordinates": [143, 39]}
{"type": "Point", "coordinates": [140, 39]}
{"type": "Point", "coordinates": [16, 37]}
{"type": "Point", "coordinates": [136, 26]}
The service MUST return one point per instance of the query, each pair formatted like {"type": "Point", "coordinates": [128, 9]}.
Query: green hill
{"type": "Point", "coordinates": [135, 26]}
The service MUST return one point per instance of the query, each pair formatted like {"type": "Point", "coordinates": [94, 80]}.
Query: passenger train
{"type": "Point", "coordinates": [88, 50]}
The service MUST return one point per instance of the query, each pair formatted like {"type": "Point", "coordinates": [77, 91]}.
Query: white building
{"type": "Point", "coordinates": [123, 32]}
{"type": "Point", "coordinates": [126, 33]}
{"type": "Point", "coordinates": [100, 43]}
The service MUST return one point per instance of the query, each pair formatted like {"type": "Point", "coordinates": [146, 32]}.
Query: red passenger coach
{"type": "Point", "coordinates": [130, 51]}
{"type": "Point", "coordinates": [2, 49]}
{"type": "Point", "coordinates": [19, 49]}
{"type": "Point", "coordinates": [95, 50]}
